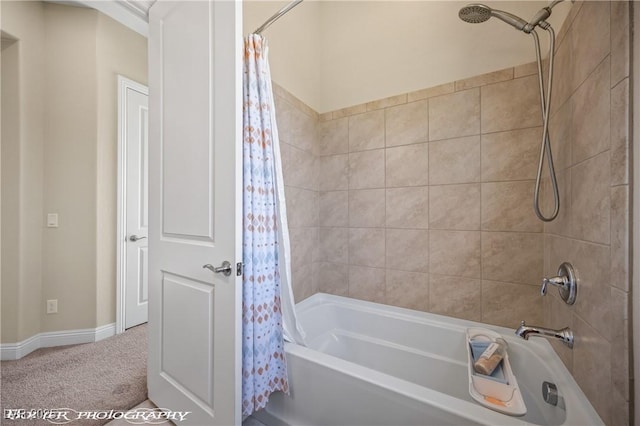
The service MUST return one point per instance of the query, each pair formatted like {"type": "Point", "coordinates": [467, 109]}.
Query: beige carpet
{"type": "Point", "coordinates": [107, 375]}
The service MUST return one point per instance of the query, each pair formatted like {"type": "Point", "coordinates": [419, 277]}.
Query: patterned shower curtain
{"type": "Point", "coordinates": [264, 369]}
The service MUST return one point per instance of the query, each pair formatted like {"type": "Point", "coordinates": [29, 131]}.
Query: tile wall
{"type": "Point", "coordinates": [297, 125]}
{"type": "Point", "coordinates": [590, 133]}
{"type": "Point", "coordinates": [425, 199]}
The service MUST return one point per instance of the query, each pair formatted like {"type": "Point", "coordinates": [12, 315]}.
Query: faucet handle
{"type": "Point", "coordinates": [565, 281]}
{"type": "Point", "coordinates": [557, 281]}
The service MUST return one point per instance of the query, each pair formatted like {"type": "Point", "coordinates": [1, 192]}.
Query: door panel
{"type": "Point", "coordinates": [195, 210]}
{"type": "Point", "coordinates": [186, 140]}
{"type": "Point", "coordinates": [136, 205]}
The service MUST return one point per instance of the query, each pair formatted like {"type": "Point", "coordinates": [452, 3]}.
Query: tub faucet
{"type": "Point", "coordinates": [565, 334]}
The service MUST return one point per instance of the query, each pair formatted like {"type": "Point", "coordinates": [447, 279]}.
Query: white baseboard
{"type": "Point", "coordinates": [13, 351]}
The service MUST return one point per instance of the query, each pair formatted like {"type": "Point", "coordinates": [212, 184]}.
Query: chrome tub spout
{"type": "Point", "coordinates": [565, 335]}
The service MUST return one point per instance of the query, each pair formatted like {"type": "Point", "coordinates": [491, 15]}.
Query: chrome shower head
{"type": "Point", "coordinates": [476, 13]}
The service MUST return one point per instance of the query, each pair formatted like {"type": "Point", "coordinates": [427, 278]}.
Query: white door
{"type": "Point", "coordinates": [195, 209]}
{"type": "Point", "coordinates": [136, 123]}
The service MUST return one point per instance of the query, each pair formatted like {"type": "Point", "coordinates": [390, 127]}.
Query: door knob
{"type": "Point", "coordinates": [135, 238]}
{"type": "Point", "coordinates": [224, 269]}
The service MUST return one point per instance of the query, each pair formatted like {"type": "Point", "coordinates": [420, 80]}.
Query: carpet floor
{"type": "Point", "coordinates": [106, 375]}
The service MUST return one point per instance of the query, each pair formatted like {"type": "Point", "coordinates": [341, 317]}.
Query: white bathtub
{"type": "Point", "coordinates": [370, 364]}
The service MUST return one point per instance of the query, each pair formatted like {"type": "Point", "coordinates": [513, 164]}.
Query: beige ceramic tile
{"type": "Point", "coordinates": [352, 110]}
{"type": "Point", "coordinates": [620, 410]}
{"type": "Point", "coordinates": [407, 289]}
{"type": "Point", "coordinates": [591, 108]}
{"type": "Point", "coordinates": [512, 257]}
{"type": "Point", "coordinates": [620, 133]}
{"type": "Point", "coordinates": [366, 131]}
{"type": "Point", "coordinates": [455, 207]}
{"type": "Point", "coordinates": [302, 281]}
{"type": "Point", "coordinates": [408, 207]}
{"type": "Point", "coordinates": [620, 373]}
{"type": "Point", "coordinates": [407, 165]}
{"type": "Point", "coordinates": [590, 38]}
{"type": "Point", "coordinates": [593, 304]}
{"type": "Point", "coordinates": [407, 249]}
{"type": "Point", "coordinates": [560, 128]}
{"type": "Point", "coordinates": [367, 283]}
{"type": "Point", "coordinates": [591, 200]}
{"type": "Point", "coordinates": [325, 117]}
{"type": "Point", "coordinates": [561, 225]}
{"type": "Point", "coordinates": [294, 101]}
{"type": "Point", "coordinates": [507, 206]}
{"type": "Point", "coordinates": [406, 124]}
{"type": "Point", "coordinates": [455, 297]}
{"type": "Point", "coordinates": [334, 172]}
{"type": "Point", "coordinates": [511, 155]}
{"type": "Point", "coordinates": [333, 278]}
{"type": "Point", "coordinates": [443, 89]}
{"type": "Point", "coordinates": [559, 316]}
{"type": "Point", "coordinates": [620, 237]}
{"type": "Point", "coordinates": [334, 208]}
{"type": "Point", "coordinates": [591, 366]}
{"type": "Point", "coordinates": [367, 208]}
{"type": "Point", "coordinates": [387, 102]}
{"type": "Point", "coordinates": [510, 105]}
{"type": "Point", "coordinates": [563, 85]}
{"type": "Point", "coordinates": [366, 247]}
{"type": "Point", "coordinates": [303, 241]}
{"type": "Point", "coordinates": [454, 115]}
{"type": "Point", "coordinates": [296, 127]}
{"type": "Point", "coordinates": [334, 245]}
{"type": "Point", "coordinates": [484, 79]}
{"type": "Point", "coordinates": [302, 207]}
{"type": "Point", "coordinates": [454, 161]}
{"type": "Point", "coordinates": [620, 40]}
{"type": "Point", "coordinates": [455, 253]}
{"type": "Point", "coordinates": [507, 304]}
{"type": "Point", "coordinates": [366, 169]}
{"type": "Point", "coordinates": [333, 136]}
{"type": "Point", "coordinates": [302, 169]}
{"type": "Point", "coordinates": [524, 70]}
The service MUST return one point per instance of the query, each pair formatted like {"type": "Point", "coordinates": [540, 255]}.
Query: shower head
{"type": "Point", "coordinates": [477, 13]}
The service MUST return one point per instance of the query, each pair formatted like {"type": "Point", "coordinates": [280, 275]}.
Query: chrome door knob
{"type": "Point", "coordinates": [224, 269]}
{"type": "Point", "coordinates": [135, 238]}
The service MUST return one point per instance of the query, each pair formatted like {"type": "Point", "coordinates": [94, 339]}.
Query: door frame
{"type": "Point", "coordinates": [124, 84]}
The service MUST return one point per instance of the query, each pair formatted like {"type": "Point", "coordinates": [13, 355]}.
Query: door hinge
{"type": "Point", "coordinates": [239, 269]}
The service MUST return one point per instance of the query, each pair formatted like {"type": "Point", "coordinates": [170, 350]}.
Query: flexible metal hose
{"type": "Point", "coordinates": [545, 146]}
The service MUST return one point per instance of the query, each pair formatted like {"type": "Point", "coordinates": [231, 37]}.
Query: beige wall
{"type": "Point", "coordinates": [590, 121]}
{"type": "Point", "coordinates": [22, 228]}
{"type": "Point", "coordinates": [113, 60]}
{"type": "Point", "coordinates": [334, 54]}
{"type": "Point", "coordinates": [293, 45]}
{"type": "Point", "coordinates": [10, 190]}
{"type": "Point", "coordinates": [71, 117]}
{"type": "Point", "coordinates": [69, 60]}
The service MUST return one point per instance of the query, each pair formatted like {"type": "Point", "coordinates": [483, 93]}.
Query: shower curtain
{"type": "Point", "coordinates": [268, 311]}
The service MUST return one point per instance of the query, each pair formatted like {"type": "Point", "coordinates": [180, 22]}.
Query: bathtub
{"type": "Point", "coordinates": [370, 364]}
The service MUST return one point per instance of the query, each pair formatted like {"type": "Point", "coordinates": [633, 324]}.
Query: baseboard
{"type": "Point", "coordinates": [13, 351]}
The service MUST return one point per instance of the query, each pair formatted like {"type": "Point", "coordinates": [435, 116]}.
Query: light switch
{"type": "Point", "coordinates": [52, 220]}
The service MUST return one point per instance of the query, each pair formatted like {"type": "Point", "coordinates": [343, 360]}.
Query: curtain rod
{"type": "Point", "coordinates": [277, 16]}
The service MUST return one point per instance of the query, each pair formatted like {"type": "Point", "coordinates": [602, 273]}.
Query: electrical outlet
{"type": "Point", "coordinates": [52, 306]}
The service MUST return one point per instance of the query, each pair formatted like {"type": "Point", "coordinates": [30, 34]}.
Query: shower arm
{"type": "Point", "coordinates": [545, 147]}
